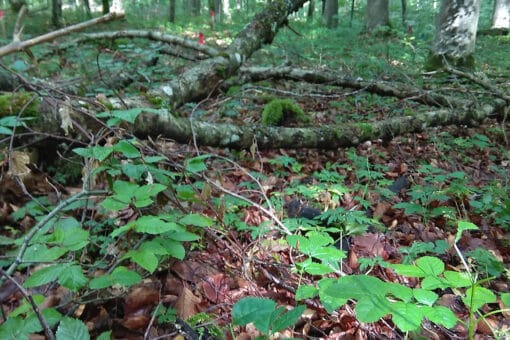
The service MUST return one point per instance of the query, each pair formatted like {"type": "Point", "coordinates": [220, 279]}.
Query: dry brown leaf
{"type": "Point", "coordinates": [19, 164]}
{"type": "Point", "coordinates": [187, 304]}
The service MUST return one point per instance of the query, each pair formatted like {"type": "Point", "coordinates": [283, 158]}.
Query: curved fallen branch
{"type": "Point", "coordinates": [17, 46]}
{"type": "Point", "coordinates": [324, 137]}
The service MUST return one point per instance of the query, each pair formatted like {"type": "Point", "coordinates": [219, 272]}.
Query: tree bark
{"type": "Point", "coordinates": [56, 13]}
{"type": "Point", "coordinates": [171, 11]}
{"type": "Point", "coordinates": [331, 13]}
{"type": "Point", "coordinates": [202, 80]}
{"type": "Point", "coordinates": [455, 36]}
{"type": "Point", "coordinates": [377, 14]}
{"type": "Point", "coordinates": [501, 15]}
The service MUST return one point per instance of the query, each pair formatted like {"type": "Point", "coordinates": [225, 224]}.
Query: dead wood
{"type": "Point", "coordinates": [17, 45]}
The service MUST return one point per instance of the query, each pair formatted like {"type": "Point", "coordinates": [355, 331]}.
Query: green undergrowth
{"type": "Point", "coordinates": [69, 244]}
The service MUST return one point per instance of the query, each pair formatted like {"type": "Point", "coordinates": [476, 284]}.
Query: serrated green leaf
{"type": "Point", "coordinates": [72, 277]}
{"type": "Point", "coordinates": [14, 329]}
{"type": "Point", "coordinates": [424, 296]}
{"type": "Point", "coordinates": [462, 226]}
{"type": "Point", "coordinates": [440, 315]}
{"type": "Point", "coordinates": [197, 164]}
{"type": "Point", "coordinates": [505, 298]}
{"type": "Point", "coordinates": [101, 152]}
{"type": "Point", "coordinates": [44, 276]}
{"type": "Point", "coordinates": [175, 249]}
{"type": "Point", "coordinates": [125, 277]}
{"type": "Point", "coordinates": [127, 115]}
{"type": "Point", "coordinates": [51, 315]}
{"type": "Point", "coordinates": [127, 149]}
{"type": "Point", "coordinates": [154, 225]}
{"type": "Point", "coordinates": [288, 319]}
{"type": "Point", "coordinates": [105, 336]}
{"type": "Point", "coordinates": [197, 220]}
{"type": "Point", "coordinates": [430, 265]}
{"type": "Point", "coordinates": [144, 258]}
{"type": "Point", "coordinates": [113, 204]}
{"type": "Point", "coordinates": [458, 279]}
{"type": "Point", "coordinates": [70, 328]}
{"type": "Point", "coordinates": [26, 307]}
{"type": "Point", "coordinates": [406, 316]}
{"type": "Point", "coordinates": [318, 269]}
{"type": "Point", "coordinates": [182, 236]}
{"type": "Point", "coordinates": [40, 253]}
{"type": "Point", "coordinates": [254, 310]}
{"type": "Point", "coordinates": [306, 292]}
{"type": "Point", "coordinates": [477, 296]}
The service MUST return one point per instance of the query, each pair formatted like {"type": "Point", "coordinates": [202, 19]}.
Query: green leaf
{"type": "Point", "coordinates": [175, 249]}
{"type": "Point", "coordinates": [113, 204]}
{"type": "Point", "coordinates": [144, 193]}
{"type": "Point", "coordinates": [40, 253]}
{"type": "Point", "coordinates": [464, 225]}
{"type": "Point", "coordinates": [306, 292]}
{"type": "Point", "coordinates": [288, 319]}
{"type": "Point", "coordinates": [105, 336]}
{"type": "Point", "coordinates": [430, 265]}
{"type": "Point", "coordinates": [254, 310]}
{"type": "Point", "coordinates": [127, 115]}
{"type": "Point", "coordinates": [72, 277]}
{"type": "Point", "coordinates": [477, 296]}
{"type": "Point", "coordinates": [197, 164]}
{"type": "Point", "coordinates": [126, 149]}
{"type": "Point", "coordinates": [101, 152]}
{"type": "Point", "coordinates": [330, 297]}
{"type": "Point", "coordinates": [120, 276]}
{"type": "Point", "coordinates": [458, 279]}
{"type": "Point", "coordinates": [182, 236]}
{"type": "Point", "coordinates": [14, 329]}
{"type": "Point", "coordinates": [154, 225]}
{"type": "Point", "coordinates": [44, 276]}
{"type": "Point", "coordinates": [26, 307]}
{"type": "Point", "coordinates": [144, 258]}
{"type": "Point", "coordinates": [505, 297]}
{"type": "Point", "coordinates": [318, 269]}
{"type": "Point", "coordinates": [440, 315]}
{"type": "Point", "coordinates": [51, 316]}
{"type": "Point", "coordinates": [406, 316]}
{"type": "Point", "coordinates": [197, 220]}
{"type": "Point", "coordinates": [70, 328]}
{"type": "Point", "coordinates": [424, 296]}
{"type": "Point", "coordinates": [408, 270]}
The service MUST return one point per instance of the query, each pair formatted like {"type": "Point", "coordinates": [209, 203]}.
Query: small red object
{"type": "Point", "coordinates": [212, 13]}
{"type": "Point", "coordinates": [201, 38]}
{"type": "Point", "coordinates": [1, 14]}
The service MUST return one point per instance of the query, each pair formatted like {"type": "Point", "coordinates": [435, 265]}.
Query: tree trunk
{"type": "Point", "coordinates": [200, 81]}
{"type": "Point", "coordinates": [195, 6]}
{"type": "Point", "coordinates": [377, 14]}
{"type": "Point", "coordinates": [56, 13]}
{"type": "Point", "coordinates": [311, 9]}
{"type": "Point", "coordinates": [86, 4]}
{"type": "Point", "coordinates": [106, 6]}
{"type": "Point", "coordinates": [226, 9]}
{"type": "Point", "coordinates": [501, 15]}
{"type": "Point", "coordinates": [331, 13]}
{"type": "Point", "coordinates": [404, 12]}
{"type": "Point", "coordinates": [455, 37]}
{"type": "Point", "coordinates": [171, 11]}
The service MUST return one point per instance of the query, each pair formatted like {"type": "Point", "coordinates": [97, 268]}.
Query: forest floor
{"type": "Point", "coordinates": [382, 203]}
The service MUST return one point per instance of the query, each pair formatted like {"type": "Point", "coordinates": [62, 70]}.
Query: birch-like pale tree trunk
{"type": "Point", "coordinates": [455, 37]}
{"type": "Point", "coordinates": [501, 15]}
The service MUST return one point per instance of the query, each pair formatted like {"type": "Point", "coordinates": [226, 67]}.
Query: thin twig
{"type": "Point", "coordinates": [42, 223]}
{"type": "Point", "coordinates": [35, 308]}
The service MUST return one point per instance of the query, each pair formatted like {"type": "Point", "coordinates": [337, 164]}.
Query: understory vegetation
{"type": "Point", "coordinates": [124, 237]}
